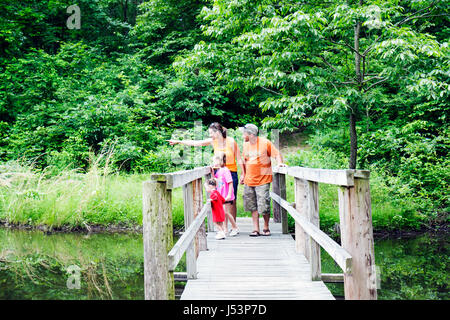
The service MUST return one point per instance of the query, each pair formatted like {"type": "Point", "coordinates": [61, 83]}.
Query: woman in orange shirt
{"type": "Point", "coordinates": [221, 143]}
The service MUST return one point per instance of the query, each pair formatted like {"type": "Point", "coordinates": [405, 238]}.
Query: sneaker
{"type": "Point", "coordinates": [220, 235]}
{"type": "Point", "coordinates": [234, 232]}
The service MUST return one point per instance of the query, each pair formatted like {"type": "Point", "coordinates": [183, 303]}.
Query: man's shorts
{"type": "Point", "coordinates": [257, 198]}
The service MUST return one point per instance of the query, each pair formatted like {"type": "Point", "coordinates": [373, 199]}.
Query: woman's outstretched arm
{"type": "Point", "coordinates": [192, 143]}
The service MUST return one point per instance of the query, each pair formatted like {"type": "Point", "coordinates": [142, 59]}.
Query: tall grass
{"type": "Point", "coordinates": [72, 198]}
{"type": "Point", "coordinates": [102, 196]}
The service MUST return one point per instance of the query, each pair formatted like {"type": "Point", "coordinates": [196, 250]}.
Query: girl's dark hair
{"type": "Point", "coordinates": [218, 127]}
{"type": "Point", "coordinates": [212, 182]}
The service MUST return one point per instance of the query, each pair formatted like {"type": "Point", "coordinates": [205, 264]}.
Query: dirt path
{"type": "Point", "coordinates": [292, 142]}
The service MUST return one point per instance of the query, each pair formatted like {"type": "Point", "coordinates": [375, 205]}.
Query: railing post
{"type": "Point", "coordinates": [276, 206]}
{"type": "Point", "coordinates": [200, 238]}
{"type": "Point", "coordinates": [301, 237]}
{"type": "Point", "coordinates": [158, 240]}
{"type": "Point", "coordinates": [279, 213]}
{"type": "Point", "coordinates": [284, 216]}
{"type": "Point", "coordinates": [355, 214]}
{"type": "Point", "coordinates": [307, 204]}
{"type": "Point", "coordinates": [188, 199]}
{"type": "Point", "coordinates": [209, 214]}
{"type": "Point", "coordinates": [312, 201]}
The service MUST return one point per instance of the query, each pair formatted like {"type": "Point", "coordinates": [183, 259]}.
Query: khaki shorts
{"type": "Point", "coordinates": [257, 198]}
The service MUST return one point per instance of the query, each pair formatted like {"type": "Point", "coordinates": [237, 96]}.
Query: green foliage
{"type": "Point", "coordinates": [137, 71]}
{"type": "Point", "coordinates": [417, 166]}
{"type": "Point", "coordinates": [393, 208]}
{"type": "Point", "coordinates": [294, 59]}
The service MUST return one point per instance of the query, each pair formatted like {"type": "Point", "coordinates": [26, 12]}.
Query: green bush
{"type": "Point", "coordinates": [392, 208]}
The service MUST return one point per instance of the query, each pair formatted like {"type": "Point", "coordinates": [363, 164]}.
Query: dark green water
{"type": "Point", "coordinates": [34, 265]}
{"type": "Point", "coordinates": [407, 269]}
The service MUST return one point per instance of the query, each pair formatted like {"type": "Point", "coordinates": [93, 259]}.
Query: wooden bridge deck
{"type": "Point", "coordinates": [243, 267]}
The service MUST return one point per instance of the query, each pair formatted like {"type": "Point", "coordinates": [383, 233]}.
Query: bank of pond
{"type": "Point", "coordinates": [41, 265]}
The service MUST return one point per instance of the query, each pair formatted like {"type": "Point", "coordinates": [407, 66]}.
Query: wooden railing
{"type": "Point", "coordinates": [355, 255]}
{"type": "Point", "coordinates": [160, 257]}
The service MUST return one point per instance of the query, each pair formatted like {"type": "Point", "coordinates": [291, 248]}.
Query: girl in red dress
{"type": "Point", "coordinates": [217, 201]}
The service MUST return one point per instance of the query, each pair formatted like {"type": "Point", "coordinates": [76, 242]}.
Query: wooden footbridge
{"type": "Point", "coordinates": [264, 267]}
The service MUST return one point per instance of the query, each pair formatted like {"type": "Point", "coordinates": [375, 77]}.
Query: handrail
{"type": "Point", "coordinates": [339, 254]}
{"type": "Point", "coordinates": [179, 178]}
{"type": "Point", "coordinates": [343, 177]}
{"type": "Point", "coordinates": [159, 264]}
{"type": "Point", "coordinates": [355, 256]}
{"type": "Point", "coordinates": [185, 240]}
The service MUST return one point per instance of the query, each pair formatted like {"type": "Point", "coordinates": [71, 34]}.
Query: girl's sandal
{"type": "Point", "coordinates": [254, 234]}
{"type": "Point", "coordinates": [266, 232]}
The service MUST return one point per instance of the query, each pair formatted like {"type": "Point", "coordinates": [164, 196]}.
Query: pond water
{"type": "Point", "coordinates": [35, 265]}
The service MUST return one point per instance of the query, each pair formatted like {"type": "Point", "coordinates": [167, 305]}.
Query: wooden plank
{"type": "Point", "coordinates": [337, 177]}
{"type": "Point", "coordinates": [191, 259]}
{"type": "Point", "coordinates": [362, 174]}
{"type": "Point", "coordinates": [312, 200]}
{"type": "Point", "coordinates": [180, 178]}
{"type": "Point", "coordinates": [158, 238]}
{"type": "Point", "coordinates": [185, 240]}
{"type": "Point", "coordinates": [357, 238]}
{"type": "Point", "coordinates": [332, 277]}
{"type": "Point", "coordinates": [243, 267]}
{"type": "Point", "coordinates": [340, 255]}
{"type": "Point", "coordinates": [180, 276]}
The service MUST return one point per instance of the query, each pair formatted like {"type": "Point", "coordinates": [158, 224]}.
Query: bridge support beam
{"type": "Point", "coordinates": [158, 240]}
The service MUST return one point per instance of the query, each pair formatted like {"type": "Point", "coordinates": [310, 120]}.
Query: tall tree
{"type": "Point", "coordinates": [311, 62]}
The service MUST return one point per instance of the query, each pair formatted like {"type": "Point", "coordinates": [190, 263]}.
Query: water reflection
{"type": "Point", "coordinates": [410, 268]}
{"type": "Point", "coordinates": [34, 265]}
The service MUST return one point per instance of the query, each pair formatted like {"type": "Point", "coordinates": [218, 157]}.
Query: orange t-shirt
{"type": "Point", "coordinates": [258, 166]}
{"type": "Point", "coordinates": [229, 149]}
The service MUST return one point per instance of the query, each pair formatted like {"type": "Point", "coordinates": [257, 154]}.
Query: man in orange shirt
{"type": "Point", "coordinates": [258, 152]}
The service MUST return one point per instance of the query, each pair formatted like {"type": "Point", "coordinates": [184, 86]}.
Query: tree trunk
{"type": "Point", "coordinates": [353, 140]}
{"type": "Point", "coordinates": [359, 79]}
{"type": "Point", "coordinates": [125, 11]}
